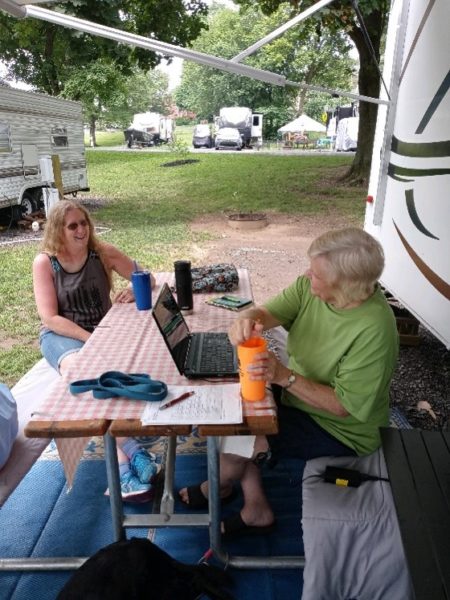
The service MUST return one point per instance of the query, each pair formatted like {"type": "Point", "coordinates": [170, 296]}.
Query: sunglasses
{"type": "Point", "coordinates": [74, 226]}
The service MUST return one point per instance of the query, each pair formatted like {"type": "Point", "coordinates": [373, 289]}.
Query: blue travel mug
{"type": "Point", "coordinates": [142, 289]}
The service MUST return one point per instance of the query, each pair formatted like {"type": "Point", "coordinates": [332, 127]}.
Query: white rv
{"type": "Point", "coordinates": [408, 207]}
{"type": "Point", "coordinates": [34, 127]}
{"type": "Point", "coordinates": [149, 129]}
{"type": "Point", "coordinates": [240, 117]}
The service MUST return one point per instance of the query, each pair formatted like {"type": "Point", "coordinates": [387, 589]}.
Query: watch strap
{"type": "Point", "coordinates": [291, 379]}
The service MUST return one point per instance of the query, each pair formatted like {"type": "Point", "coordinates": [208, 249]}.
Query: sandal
{"type": "Point", "coordinates": [197, 500]}
{"type": "Point", "coordinates": [234, 526]}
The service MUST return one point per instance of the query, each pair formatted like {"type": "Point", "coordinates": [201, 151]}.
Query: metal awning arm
{"type": "Point", "coordinates": [164, 48]}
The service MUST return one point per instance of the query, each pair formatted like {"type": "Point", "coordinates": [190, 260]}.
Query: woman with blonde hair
{"type": "Point", "coordinates": [72, 280]}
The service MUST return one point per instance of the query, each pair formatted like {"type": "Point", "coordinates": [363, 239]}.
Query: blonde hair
{"type": "Point", "coordinates": [355, 260]}
{"type": "Point", "coordinates": [53, 240]}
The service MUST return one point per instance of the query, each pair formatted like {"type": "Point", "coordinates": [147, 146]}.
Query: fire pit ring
{"type": "Point", "coordinates": [247, 221]}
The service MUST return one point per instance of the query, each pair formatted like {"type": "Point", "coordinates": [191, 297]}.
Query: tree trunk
{"type": "Point", "coordinates": [92, 140]}
{"type": "Point", "coordinates": [369, 85]}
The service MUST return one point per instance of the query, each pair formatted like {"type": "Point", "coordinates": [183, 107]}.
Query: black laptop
{"type": "Point", "coordinates": [196, 355]}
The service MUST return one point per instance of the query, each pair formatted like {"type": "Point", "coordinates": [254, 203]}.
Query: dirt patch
{"type": "Point", "coordinates": [274, 256]}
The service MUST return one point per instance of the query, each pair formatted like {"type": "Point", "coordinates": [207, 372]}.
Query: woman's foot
{"type": "Point", "coordinates": [196, 496]}
{"type": "Point", "coordinates": [235, 525]}
{"type": "Point", "coordinates": [143, 465]}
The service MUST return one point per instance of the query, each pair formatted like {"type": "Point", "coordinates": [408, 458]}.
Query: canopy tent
{"type": "Point", "coordinates": [301, 124]}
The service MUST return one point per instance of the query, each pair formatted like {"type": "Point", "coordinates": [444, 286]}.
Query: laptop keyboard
{"type": "Point", "coordinates": [215, 354]}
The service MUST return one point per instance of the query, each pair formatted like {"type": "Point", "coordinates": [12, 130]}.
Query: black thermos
{"type": "Point", "coordinates": [183, 285]}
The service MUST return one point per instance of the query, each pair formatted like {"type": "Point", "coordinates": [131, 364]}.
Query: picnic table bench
{"type": "Point", "coordinates": [418, 464]}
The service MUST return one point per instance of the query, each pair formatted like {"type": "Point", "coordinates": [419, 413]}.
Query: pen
{"type": "Point", "coordinates": [176, 400]}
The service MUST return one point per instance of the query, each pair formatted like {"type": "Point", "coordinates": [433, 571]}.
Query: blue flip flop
{"type": "Point", "coordinates": [137, 386]}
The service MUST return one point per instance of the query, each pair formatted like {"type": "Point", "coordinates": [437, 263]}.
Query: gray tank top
{"type": "Point", "coordinates": [83, 297]}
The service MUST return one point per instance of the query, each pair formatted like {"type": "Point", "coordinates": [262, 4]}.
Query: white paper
{"type": "Point", "coordinates": [210, 404]}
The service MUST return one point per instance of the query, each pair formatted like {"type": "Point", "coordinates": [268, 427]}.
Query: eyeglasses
{"type": "Point", "coordinates": [74, 226]}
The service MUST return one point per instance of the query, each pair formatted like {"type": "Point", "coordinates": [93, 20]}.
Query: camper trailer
{"type": "Point", "coordinates": [409, 188]}
{"type": "Point", "coordinates": [149, 129]}
{"type": "Point", "coordinates": [34, 129]}
{"type": "Point", "coordinates": [241, 118]}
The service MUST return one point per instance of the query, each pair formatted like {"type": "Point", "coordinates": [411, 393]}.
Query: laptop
{"type": "Point", "coordinates": [196, 355]}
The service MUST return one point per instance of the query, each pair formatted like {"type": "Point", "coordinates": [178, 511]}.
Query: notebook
{"type": "Point", "coordinates": [196, 355]}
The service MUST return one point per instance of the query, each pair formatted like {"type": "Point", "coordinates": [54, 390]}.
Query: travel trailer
{"type": "Point", "coordinates": [36, 130]}
{"type": "Point", "coordinates": [408, 208]}
{"type": "Point", "coordinates": [241, 118]}
{"type": "Point", "coordinates": [149, 129]}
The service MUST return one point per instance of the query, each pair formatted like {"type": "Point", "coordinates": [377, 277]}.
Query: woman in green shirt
{"type": "Point", "coordinates": [333, 395]}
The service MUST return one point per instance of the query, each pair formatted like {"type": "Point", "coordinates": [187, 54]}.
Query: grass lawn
{"type": "Point", "coordinates": [147, 207]}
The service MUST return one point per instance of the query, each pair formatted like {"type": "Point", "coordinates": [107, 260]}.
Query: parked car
{"type": "Point", "coordinates": [228, 138]}
{"type": "Point", "coordinates": [202, 136]}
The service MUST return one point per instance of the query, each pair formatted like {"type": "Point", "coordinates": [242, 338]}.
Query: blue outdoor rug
{"type": "Point", "coordinates": [42, 519]}
{"type": "Point", "coordinates": [283, 487]}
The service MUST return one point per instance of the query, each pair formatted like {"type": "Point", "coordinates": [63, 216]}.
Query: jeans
{"type": "Point", "coordinates": [299, 436]}
{"type": "Point", "coordinates": [55, 347]}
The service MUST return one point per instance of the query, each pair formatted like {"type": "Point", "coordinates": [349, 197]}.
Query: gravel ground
{"type": "Point", "coordinates": [421, 384]}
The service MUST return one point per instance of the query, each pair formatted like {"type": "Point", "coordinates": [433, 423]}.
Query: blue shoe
{"type": "Point", "coordinates": [144, 466]}
{"type": "Point", "coordinates": [131, 487]}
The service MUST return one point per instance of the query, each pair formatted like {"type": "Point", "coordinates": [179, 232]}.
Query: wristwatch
{"type": "Point", "coordinates": [291, 379]}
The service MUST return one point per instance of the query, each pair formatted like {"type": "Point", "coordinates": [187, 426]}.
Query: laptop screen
{"type": "Point", "coordinates": [172, 326]}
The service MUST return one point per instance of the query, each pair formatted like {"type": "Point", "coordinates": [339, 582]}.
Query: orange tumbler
{"type": "Point", "coordinates": [250, 390]}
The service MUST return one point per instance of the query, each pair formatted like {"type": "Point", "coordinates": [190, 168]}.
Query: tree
{"type": "Point", "coordinates": [112, 98]}
{"type": "Point", "coordinates": [340, 17]}
{"type": "Point", "coordinates": [45, 55]}
{"type": "Point", "coordinates": [143, 92]}
{"type": "Point", "coordinates": [206, 90]}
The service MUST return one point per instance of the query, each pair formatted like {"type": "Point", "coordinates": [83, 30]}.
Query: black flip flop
{"type": "Point", "coordinates": [234, 526]}
{"type": "Point", "coordinates": [197, 500]}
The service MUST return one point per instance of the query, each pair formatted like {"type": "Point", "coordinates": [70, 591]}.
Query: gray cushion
{"type": "Point", "coordinates": [352, 541]}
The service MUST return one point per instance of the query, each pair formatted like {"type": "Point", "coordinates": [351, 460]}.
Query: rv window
{"type": "Point", "coordinates": [5, 140]}
{"type": "Point", "coordinates": [59, 137]}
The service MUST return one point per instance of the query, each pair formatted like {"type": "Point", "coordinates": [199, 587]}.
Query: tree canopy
{"type": "Point", "coordinates": [340, 17]}
{"type": "Point", "coordinates": [314, 57]}
{"type": "Point", "coordinates": [45, 55]}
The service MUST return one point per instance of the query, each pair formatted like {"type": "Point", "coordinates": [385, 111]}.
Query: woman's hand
{"type": "Point", "coordinates": [124, 296]}
{"type": "Point", "coordinates": [267, 367]}
{"type": "Point", "coordinates": [243, 329]}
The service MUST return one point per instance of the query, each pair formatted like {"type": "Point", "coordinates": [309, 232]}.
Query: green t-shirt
{"type": "Point", "coordinates": [352, 350]}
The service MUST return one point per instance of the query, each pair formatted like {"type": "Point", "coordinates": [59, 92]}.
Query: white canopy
{"type": "Point", "coordinates": [301, 124]}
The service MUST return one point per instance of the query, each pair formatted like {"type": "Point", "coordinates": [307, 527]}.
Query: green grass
{"type": "Point", "coordinates": [148, 206]}
{"type": "Point", "coordinates": [107, 138]}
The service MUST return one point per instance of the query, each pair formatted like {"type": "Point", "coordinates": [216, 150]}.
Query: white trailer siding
{"type": "Point", "coordinates": [410, 179]}
{"type": "Point", "coordinates": [36, 124]}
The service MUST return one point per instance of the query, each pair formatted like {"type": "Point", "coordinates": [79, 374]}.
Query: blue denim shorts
{"type": "Point", "coordinates": [55, 347]}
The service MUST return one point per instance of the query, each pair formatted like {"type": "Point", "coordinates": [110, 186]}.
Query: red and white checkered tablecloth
{"type": "Point", "coordinates": [128, 340]}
